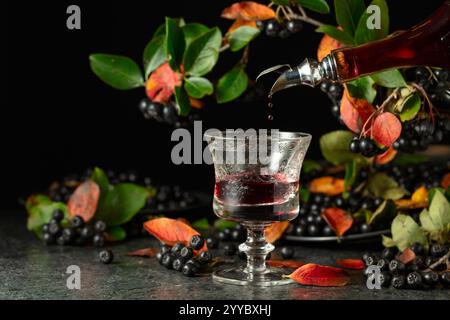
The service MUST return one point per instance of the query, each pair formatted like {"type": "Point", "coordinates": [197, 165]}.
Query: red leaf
{"type": "Point", "coordinates": [170, 231]}
{"type": "Point", "coordinates": [248, 10]}
{"type": "Point", "coordinates": [406, 256]}
{"type": "Point", "coordinates": [285, 263]}
{"type": "Point", "coordinates": [386, 129]}
{"type": "Point", "coordinates": [241, 23]}
{"type": "Point", "coordinates": [84, 200]}
{"type": "Point", "coordinates": [338, 220]}
{"type": "Point", "coordinates": [327, 185]}
{"type": "Point", "coordinates": [326, 45]}
{"type": "Point", "coordinates": [386, 157]}
{"type": "Point", "coordinates": [275, 231]}
{"type": "Point", "coordinates": [322, 276]}
{"type": "Point", "coordinates": [356, 264]}
{"type": "Point", "coordinates": [354, 111]}
{"type": "Point", "coordinates": [161, 84]}
{"type": "Point", "coordinates": [144, 252]}
{"type": "Point", "coordinates": [445, 182]}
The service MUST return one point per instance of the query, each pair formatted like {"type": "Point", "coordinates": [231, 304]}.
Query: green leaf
{"type": "Point", "coordinates": [348, 13]}
{"type": "Point", "coordinates": [387, 242]}
{"type": "Point", "coordinates": [201, 224]}
{"type": "Point", "coordinates": [281, 2]}
{"type": "Point", "coordinates": [221, 224]}
{"type": "Point", "coordinates": [410, 108]}
{"type": "Point", "coordinates": [182, 100]}
{"type": "Point", "coordinates": [408, 159]}
{"type": "Point", "coordinates": [160, 31]}
{"type": "Point", "coordinates": [232, 84]}
{"type": "Point", "coordinates": [202, 54]}
{"type": "Point", "coordinates": [440, 211]}
{"type": "Point", "coordinates": [175, 43]}
{"type": "Point", "coordinates": [381, 185]}
{"type": "Point", "coordinates": [117, 71]}
{"type": "Point", "coordinates": [427, 223]}
{"type": "Point", "coordinates": [364, 34]}
{"type": "Point", "coordinates": [240, 37]}
{"type": "Point", "coordinates": [116, 233]}
{"type": "Point", "coordinates": [362, 88]}
{"type": "Point", "coordinates": [37, 199]}
{"type": "Point", "coordinates": [405, 231]}
{"type": "Point", "coordinates": [384, 213]}
{"type": "Point", "coordinates": [334, 147]}
{"type": "Point", "coordinates": [432, 193]}
{"type": "Point", "coordinates": [320, 6]}
{"type": "Point", "coordinates": [154, 55]}
{"type": "Point", "coordinates": [100, 178]}
{"type": "Point", "coordinates": [389, 78]}
{"type": "Point", "coordinates": [192, 31]}
{"type": "Point", "coordinates": [304, 194]}
{"type": "Point", "coordinates": [42, 213]}
{"type": "Point", "coordinates": [335, 33]}
{"type": "Point", "coordinates": [310, 165]}
{"type": "Point", "coordinates": [198, 87]}
{"type": "Point", "coordinates": [351, 171]}
{"type": "Point", "coordinates": [122, 203]}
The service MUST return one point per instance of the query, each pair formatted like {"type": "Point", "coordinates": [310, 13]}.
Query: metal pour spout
{"type": "Point", "coordinates": [310, 72]}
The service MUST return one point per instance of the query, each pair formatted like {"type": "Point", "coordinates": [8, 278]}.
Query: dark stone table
{"type": "Point", "coordinates": [30, 270]}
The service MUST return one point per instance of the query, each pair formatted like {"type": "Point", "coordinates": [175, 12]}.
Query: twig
{"type": "Point", "coordinates": [305, 19]}
{"type": "Point", "coordinates": [244, 59]}
{"type": "Point", "coordinates": [224, 47]}
{"type": "Point", "coordinates": [440, 261]}
{"type": "Point", "coordinates": [427, 99]}
{"type": "Point", "coordinates": [302, 11]}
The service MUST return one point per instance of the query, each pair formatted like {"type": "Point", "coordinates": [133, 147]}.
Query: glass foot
{"type": "Point", "coordinates": [239, 276]}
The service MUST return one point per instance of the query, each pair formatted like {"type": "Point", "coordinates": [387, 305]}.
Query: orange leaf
{"type": "Point", "coordinates": [327, 185]}
{"type": "Point", "coordinates": [406, 256]}
{"type": "Point", "coordinates": [420, 195]}
{"type": "Point", "coordinates": [161, 84]}
{"type": "Point", "coordinates": [419, 199]}
{"type": "Point", "coordinates": [285, 263]}
{"type": "Point", "coordinates": [338, 220]}
{"type": "Point", "coordinates": [170, 231]}
{"type": "Point", "coordinates": [445, 182]}
{"type": "Point", "coordinates": [84, 200]}
{"type": "Point", "coordinates": [322, 276]}
{"type": "Point", "coordinates": [248, 10]}
{"type": "Point", "coordinates": [241, 23]}
{"type": "Point", "coordinates": [326, 45]}
{"type": "Point", "coordinates": [195, 103]}
{"type": "Point", "coordinates": [356, 264]}
{"type": "Point", "coordinates": [354, 111]}
{"type": "Point", "coordinates": [144, 252]}
{"type": "Point", "coordinates": [275, 231]}
{"type": "Point", "coordinates": [386, 157]}
{"type": "Point", "coordinates": [386, 129]}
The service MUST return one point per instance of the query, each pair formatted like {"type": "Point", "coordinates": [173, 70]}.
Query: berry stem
{"type": "Point", "coordinates": [224, 47]}
{"type": "Point", "coordinates": [427, 99]}
{"type": "Point", "coordinates": [443, 259]}
{"type": "Point", "coordinates": [302, 16]}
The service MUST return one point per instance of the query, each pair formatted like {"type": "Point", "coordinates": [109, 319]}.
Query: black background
{"type": "Point", "coordinates": [59, 118]}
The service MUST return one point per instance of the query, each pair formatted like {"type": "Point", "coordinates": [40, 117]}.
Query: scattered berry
{"type": "Point", "coordinates": [287, 252]}
{"type": "Point", "coordinates": [106, 256]}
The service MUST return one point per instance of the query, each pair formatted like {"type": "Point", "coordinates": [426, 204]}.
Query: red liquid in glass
{"type": "Point", "coordinates": [253, 197]}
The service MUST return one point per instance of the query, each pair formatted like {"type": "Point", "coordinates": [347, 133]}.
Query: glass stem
{"type": "Point", "coordinates": [256, 248]}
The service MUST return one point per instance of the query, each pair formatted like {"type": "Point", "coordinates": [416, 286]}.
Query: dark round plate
{"type": "Point", "coordinates": [203, 200]}
{"type": "Point", "coordinates": [369, 236]}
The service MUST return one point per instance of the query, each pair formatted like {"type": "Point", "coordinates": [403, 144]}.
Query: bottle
{"type": "Point", "coordinates": [426, 44]}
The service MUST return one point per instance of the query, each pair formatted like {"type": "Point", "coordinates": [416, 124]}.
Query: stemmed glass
{"type": "Point", "coordinates": [257, 183]}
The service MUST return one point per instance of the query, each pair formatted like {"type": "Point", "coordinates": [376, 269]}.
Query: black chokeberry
{"type": "Point", "coordinates": [414, 280]}
{"type": "Point", "coordinates": [287, 252]}
{"type": "Point", "coordinates": [327, 231]}
{"type": "Point", "coordinates": [229, 249]}
{"type": "Point", "coordinates": [272, 28]}
{"type": "Point", "coordinates": [260, 24]}
{"type": "Point", "coordinates": [87, 232]}
{"type": "Point", "coordinates": [389, 253]}
{"type": "Point", "coordinates": [430, 278]}
{"type": "Point", "coordinates": [69, 234]}
{"type": "Point", "coordinates": [62, 241]}
{"type": "Point", "coordinates": [168, 259]}
{"type": "Point", "coordinates": [106, 256]}
{"type": "Point", "coordinates": [398, 282]}
{"type": "Point", "coordinates": [377, 201]}
{"type": "Point", "coordinates": [189, 270]}
{"type": "Point", "coordinates": [238, 235]}
{"type": "Point", "coordinates": [224, 235]}
{"type": "Point", "coordinates": [313, 230]}
{"type": "Point", "coordinates": [369, 260]}
{"type": "Point", "coordinates": [294, 25]}
{"type": "Point", "coordinates": [159, 256]}
{"type": "Point", "coordinates": [197, 242]}
{"type": "Point", "coordinates": [367, 147]}
{"type": "Point", "coordinates": [58, 215]}
{"type": "Point", "coordinates": [186, 253]}
{"type": "Point", "coordinates": [300, 230]}
{"type": "Point", "coordinates": [365, 228]}
{"type": "Point", "coordinates": [445, 279]}
{"type": "Point", "coordinates": [396, 267]}
{"type": "Point", "coordinates": [48, 239]}
{"type": "Point", "coordinates": [176, 249]}
{"type": "Point", "coordinates": [212, 243]}
{"type": "Point", "coordinates": [45, 228]}
{"type": "Point", "coordinates": [438, 250]}
{"type": "Point", "coordinates": [284, 33]}
{"type": "Point", "coordinates": [385, 279]}
{"type": "Point", "coordinates": [178, 264]}
{"type": "Point", "coordinates": [100, 226]}
{"type": "Point", "coordinates": [98, 240]}
{"type": "Point", "coordinates": [165, 249]}
{"type": "Point", "coordinates": [54, 228]}
{"type": "Point", "coordinates": [383, 264]}
{"type": "Point", "coordinates": [204, 257]}
{"type": "Point", "coordinates": [77, 222]}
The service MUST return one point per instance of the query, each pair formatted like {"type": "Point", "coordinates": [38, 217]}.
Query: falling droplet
{"type": "Point", "coordinates": [270, 105]}
{"type": "Point", "coordinates": [270, 117]}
